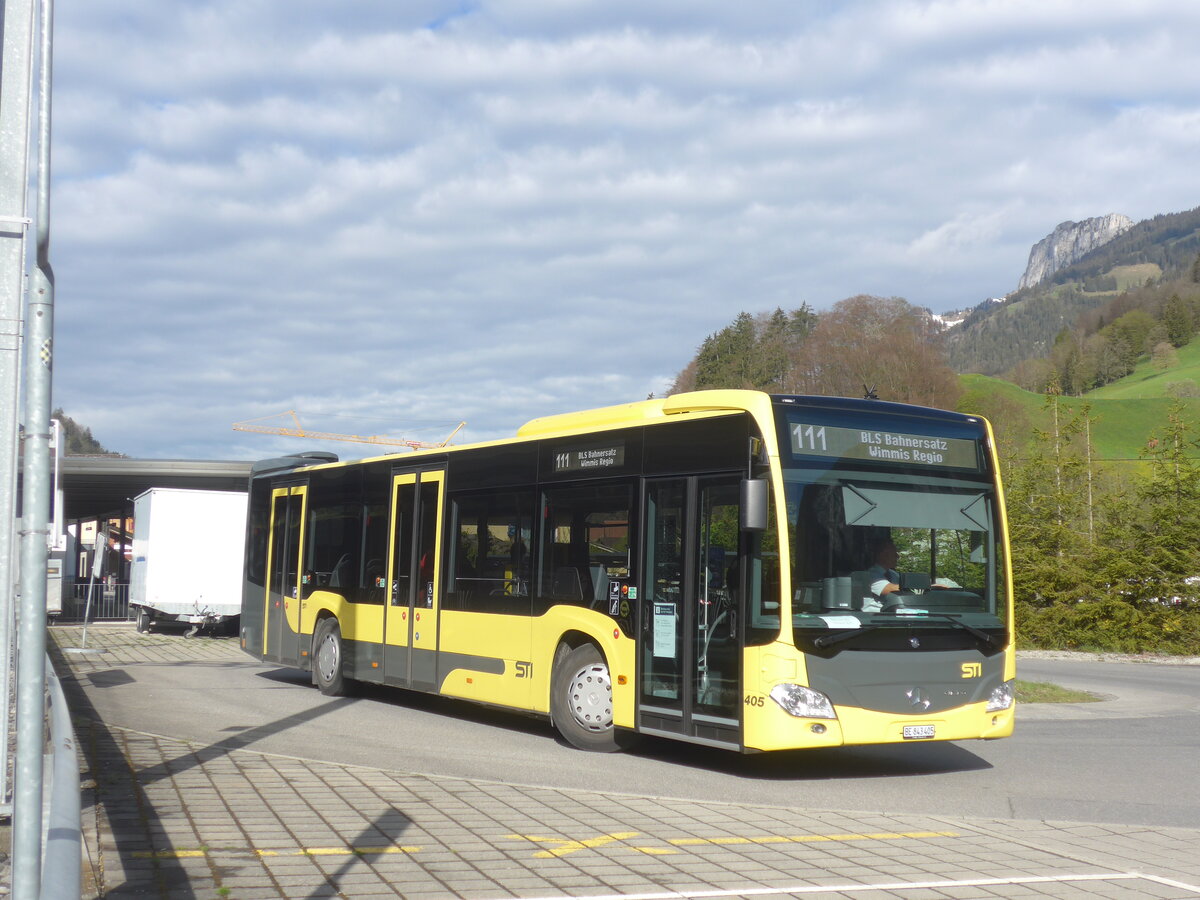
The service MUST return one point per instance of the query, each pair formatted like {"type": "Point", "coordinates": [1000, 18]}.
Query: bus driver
{"type": "Point", "coordinates": [884, 578]}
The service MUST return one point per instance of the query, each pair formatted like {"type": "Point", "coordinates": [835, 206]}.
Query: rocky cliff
{"type": "Point", "coordinates": [1068, 242]}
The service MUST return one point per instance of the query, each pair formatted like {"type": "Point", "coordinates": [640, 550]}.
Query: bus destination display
{"type": "Point", "coordinates": [882, 446]}
{"type": "Point", "coordinates": [591, 457]}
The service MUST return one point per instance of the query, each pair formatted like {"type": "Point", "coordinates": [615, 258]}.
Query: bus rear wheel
{"type": "Point", "coordinates": [327, 659]}
{"type": "Point", "coordinates": [581, 700]}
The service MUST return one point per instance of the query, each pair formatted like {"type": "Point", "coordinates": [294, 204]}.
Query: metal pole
{"type": "Point", "coordinates": [97, 569]}
{"type": "Point", "coordinates": [15, 78]}
{"type": "Point", "coordinates": [31, 671]}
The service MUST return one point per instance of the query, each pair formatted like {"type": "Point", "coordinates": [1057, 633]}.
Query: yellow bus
{"type": "Point", "coordinates": [729, 568]}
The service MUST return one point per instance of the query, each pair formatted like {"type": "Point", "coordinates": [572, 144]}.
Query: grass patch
{"type": "Point", "coordinates": [1122, 420]}
{"type": "Point", "coordinates": [1044, 692]}
{"type": "Point", "coordinates": [1136, 275]}
{"type": "Point", "coordinates": [1148, 381]}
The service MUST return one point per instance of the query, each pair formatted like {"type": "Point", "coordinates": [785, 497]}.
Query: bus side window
{"type": "Point", "coordinates": [490, 554]}
{"type": "Point", "coordinates": [585, 545]}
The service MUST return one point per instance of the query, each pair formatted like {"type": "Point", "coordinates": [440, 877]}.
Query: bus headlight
{"type": "Point", "coordinates": [802, 702]}
{"type": "Point", "coordinates": [1001, 698]}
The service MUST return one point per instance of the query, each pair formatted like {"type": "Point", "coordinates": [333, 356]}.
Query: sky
{"type": "Point", "coordinates": [395, 216]}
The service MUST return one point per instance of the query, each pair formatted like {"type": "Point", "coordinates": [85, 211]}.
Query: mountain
{"type": "Point", "coordinates": [1070, 242]}
{"type": "Point", "coordinates": [995, 337]}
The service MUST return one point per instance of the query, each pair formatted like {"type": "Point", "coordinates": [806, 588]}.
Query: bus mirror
{"type": "Point", "coordinates": [754, 505]}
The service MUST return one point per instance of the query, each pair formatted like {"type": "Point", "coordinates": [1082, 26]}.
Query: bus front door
{"type": "Point", "coordinates": [414, 576]}
{"type": "Point", "coordinates": [690, 656]}
{"type": "Point", "coordinates": [282, 614]}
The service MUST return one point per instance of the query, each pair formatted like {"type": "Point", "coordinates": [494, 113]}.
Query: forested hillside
{"type": "Point", "coordinates": [77, 439]}
{"type": "Point", "coordinates": [1163, 252]}
{"type": "Point", "coordinates": [862, 344]}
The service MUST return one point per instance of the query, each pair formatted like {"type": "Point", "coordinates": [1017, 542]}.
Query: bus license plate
{"type": "Point", "coordinates": [918, 732]}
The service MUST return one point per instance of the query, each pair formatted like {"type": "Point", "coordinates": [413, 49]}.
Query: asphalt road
{"type": "Point", "coordinates": [1130, 759]}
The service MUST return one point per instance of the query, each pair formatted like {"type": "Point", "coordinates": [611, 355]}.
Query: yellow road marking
{"type": "Point", "coordinates": [811, 838]}
{"type": "Point", "coordinates": [566, 847]}
{"type": "Point", "coordinates": [305, 851]}
{"type": "Point", "coordinates": [563, 846]}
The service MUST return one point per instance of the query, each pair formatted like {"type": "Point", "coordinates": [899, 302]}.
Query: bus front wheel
{"type": "Point", "coordinates": [327, 659]}
{"type": "Point", "coordinates": [581, 700]}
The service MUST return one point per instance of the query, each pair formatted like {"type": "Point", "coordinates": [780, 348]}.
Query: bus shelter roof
{"type": "Point", "coordinates": [97, 487]}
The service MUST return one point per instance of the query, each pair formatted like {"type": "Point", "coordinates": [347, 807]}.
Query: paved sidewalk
{"type": "Point", "coordinates": [169, 819]}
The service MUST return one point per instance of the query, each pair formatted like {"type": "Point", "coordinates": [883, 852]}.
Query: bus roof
{"type": "Point", "coordinates": [701, 404]}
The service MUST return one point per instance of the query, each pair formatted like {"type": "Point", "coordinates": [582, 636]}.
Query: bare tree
{"type": "Point", "coordinates": [884, 343]}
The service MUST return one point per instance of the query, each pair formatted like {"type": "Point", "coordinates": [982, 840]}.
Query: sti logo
{"type": "Point", "coordinates": [972, 670]}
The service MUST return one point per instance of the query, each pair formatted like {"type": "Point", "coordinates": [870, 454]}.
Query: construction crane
{"type": "Point", "coordinates": [298, 430]}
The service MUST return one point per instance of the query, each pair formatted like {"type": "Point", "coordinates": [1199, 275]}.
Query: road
{"type": "Point", "coordinates": [1128, 760]}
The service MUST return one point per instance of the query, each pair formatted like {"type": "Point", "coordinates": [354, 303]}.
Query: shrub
{"type": "Point", "coordinates": [1110, 625]}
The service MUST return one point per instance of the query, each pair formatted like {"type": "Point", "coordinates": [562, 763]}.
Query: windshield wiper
{"type": "Point", "coordinates": [828, 640]}
{"type": "Point", "coordinates": [988, 639]}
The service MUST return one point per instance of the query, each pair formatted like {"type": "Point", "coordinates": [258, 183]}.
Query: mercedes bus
{"type": "Point", "coordinates": [701, 567]}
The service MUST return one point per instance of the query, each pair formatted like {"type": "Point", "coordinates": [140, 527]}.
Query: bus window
{"type": "Point", "coordinates": [762, 584]}
{"type": "Point", "coordinates": [336, 538]}
{"type": "Point", "coordinates": [585, 545]}
{"type": "Point", "coordinates": [890, 554]}
{"type": "Point", "coordinates": [717, 582]}
{"type": "Point", "coordinates": [332, 558]}
{"type": "Point", "coordinates": [490, 556]}
{"type": "Point", "coordinates": [372, 581]}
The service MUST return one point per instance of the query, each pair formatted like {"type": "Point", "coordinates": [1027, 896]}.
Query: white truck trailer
{"type": "Point", "coordinates": [188, 547]}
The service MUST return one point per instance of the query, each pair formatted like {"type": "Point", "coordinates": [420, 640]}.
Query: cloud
{"type": "Point", "coordinates": [423, 212]}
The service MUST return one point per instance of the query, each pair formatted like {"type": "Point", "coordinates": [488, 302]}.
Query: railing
{"type": "Point", "coordinates": [63, 841]}
{"type": "Point", "coordinates": [110, 603]}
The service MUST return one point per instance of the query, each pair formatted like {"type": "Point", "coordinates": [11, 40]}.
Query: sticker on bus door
{"type": "Point", "coordinates": [614, 598]}
{"type": "Point", "coordinates": [664, 630]}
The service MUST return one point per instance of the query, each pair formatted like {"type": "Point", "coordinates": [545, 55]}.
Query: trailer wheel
{"type": "Point", "coordinates": [581, 700]}
{"type": "Point", "coordinates": [143, 620]}
{"type": "Point", "coordinates": [327, 658]}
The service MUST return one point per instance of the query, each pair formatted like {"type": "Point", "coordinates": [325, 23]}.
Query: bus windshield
{"type": "Point", "coordinates": [877, 558]}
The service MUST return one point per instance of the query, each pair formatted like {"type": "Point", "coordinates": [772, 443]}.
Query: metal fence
{"type": "Point", "coordinates": [110, 603]}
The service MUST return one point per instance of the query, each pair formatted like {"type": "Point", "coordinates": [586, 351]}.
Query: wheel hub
{"type": "Point", "coordinates": [590, 697]}
{"type": "Point", "coordinates": [327, 658]}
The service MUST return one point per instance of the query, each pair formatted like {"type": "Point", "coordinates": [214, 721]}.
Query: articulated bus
{"type": "Point", "coordinates": [697, 567]}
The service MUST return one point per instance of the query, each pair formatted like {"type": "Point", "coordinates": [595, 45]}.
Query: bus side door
{"type": "Point", "coordinates": [690, 655]}
{"type": "Point", "coordinates": [282, 614]}
{"type": "Point", "coordinates": [414, 579]}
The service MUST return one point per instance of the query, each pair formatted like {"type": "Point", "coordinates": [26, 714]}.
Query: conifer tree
{"type": "Point", "coordinates": [78, 439]}
{"type": "Point", "coordinates": [1050, 510]}
{"type": "Point", "coordinates": [1164, 539]}
{"type": "Point", "coordinates": [1177, 319]}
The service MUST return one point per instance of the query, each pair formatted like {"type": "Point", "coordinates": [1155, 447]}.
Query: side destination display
{"type": "Point", "coordinates": [883, 446]}
{"type": "Point", "coordinates": [592, 456]}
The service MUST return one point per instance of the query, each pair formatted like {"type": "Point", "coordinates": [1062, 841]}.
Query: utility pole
{"type": "Point", "coordinates": [15, 77]}
{"type": "Point", "coordinates": [35, 520]}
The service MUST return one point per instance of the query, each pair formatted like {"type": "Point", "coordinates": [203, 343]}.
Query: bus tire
{"type": "Point", "coordinates": [327, 658]}
{"type": "Point", "coordinates": [581, 700]}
